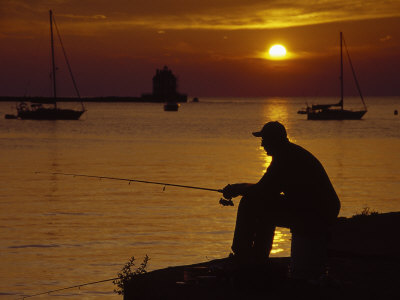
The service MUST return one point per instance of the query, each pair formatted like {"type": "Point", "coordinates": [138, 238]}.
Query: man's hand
{"type": "Point", "coordinates": [233, 190]}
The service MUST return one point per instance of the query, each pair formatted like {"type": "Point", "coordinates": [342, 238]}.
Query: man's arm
{"type": "Point", "coordinates": [237, 189]}
{"type": "Point", "coordinates": [269, 183]}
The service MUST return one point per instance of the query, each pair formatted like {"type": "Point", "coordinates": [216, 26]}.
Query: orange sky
{"type": "Point", "coordinates": [214, 47]}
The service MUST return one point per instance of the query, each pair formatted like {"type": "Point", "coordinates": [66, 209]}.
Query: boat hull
{"type": "Point", "coordinates": [8, 116]}
{"type": "Point", "coordinates": [50, 114]}
{"type": "Point", "coordinates": [335, 114]}
{"type": "Point", "coordinates": [171, 106]}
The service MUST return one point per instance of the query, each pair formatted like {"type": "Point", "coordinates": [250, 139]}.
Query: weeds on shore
{"type": "Point", "coordinates": [126, 274]}
{"type": "Point", "coordinates": [365, 213]}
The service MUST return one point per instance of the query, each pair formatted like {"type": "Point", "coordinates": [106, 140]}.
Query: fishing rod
{"type": "Point", "coordinates": [222, 201]}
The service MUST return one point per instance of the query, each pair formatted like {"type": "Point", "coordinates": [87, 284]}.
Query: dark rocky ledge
{"type": "Point", "coordinates": [363, 264]}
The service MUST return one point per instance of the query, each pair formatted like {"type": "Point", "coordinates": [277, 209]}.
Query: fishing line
{"type": "Point", "coordinates": [222, 201]}
{"type": "Point", "coordinates": [67, 288]}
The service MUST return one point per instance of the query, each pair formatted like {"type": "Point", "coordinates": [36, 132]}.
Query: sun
{"type": "Point", "coordinates": [277, 52]}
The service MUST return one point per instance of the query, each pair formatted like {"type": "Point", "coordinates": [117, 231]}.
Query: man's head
{"type": "Point", "coordinates": [273, 136]}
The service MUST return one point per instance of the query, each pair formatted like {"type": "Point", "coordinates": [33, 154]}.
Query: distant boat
{"type": "Point", "coordinates": [336, 111]}
{"type": "Point", "coordinates": [49, 110]}
{"type": "Point", "coordinates": [9, 116]}
{"type": "Point", "coordinates": [171, 106]}
{"type": "Point", "coordinates": [302, 111]}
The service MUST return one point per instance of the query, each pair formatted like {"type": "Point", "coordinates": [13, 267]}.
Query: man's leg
{"type": "Point", "coordinates": [263, 239]}
{"type": "Point", "coordinates": [244, 230]}
{"type": "Point", "coordinates": [253, 237]}
{"type": "Point", "coordinates": [255, 225]}
{"type": "Point", "coordinates": [271, 214]}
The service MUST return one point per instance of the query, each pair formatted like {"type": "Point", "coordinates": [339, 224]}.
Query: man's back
{"type": "Point", "coordinates": [299, 175]}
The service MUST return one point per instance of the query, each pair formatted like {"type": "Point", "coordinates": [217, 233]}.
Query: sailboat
{"type": "Point", "coordinates": [336, 111]}
{"type": "Point", "coordinates": [50, 110]}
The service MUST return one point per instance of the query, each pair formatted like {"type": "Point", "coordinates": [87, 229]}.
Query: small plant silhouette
{"type": "Point", "coordinates": [365, 213]}
{"type": "Point", "coordinates": [127, 274]}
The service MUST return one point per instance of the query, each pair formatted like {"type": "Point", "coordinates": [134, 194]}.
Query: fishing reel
{"type": "Point", "coordinates": [226, 202]}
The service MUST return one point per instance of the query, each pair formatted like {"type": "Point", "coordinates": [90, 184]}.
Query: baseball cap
{"type": "Point", "coordinates": [272, 130]}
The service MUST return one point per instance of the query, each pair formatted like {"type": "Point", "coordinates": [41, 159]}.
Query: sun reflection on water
{"type": "Point", "coordinates": [266, 160]}
{"type": "Point", "coordinates": [276, 109]}
{"type": "Point", "coordinates": [281, 242]}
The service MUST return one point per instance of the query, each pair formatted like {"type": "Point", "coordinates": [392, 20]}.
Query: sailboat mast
{"type": "Point", "coordinates": [52, 59]}
{"type": "Point", "coordinates": [341, 70]}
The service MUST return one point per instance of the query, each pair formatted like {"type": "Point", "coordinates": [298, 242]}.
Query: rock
{"type": "Point", "coordinates": [363, 264]}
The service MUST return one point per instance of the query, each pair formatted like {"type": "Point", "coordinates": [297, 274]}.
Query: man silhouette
{"type": "Point", "coordinates": [295, 192]}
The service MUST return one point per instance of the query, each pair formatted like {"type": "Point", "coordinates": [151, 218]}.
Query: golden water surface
{"type": "Point", "coordinates": [58, 231]}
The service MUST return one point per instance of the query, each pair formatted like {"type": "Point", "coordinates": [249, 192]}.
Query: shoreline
{"type": "Point", "coordinates": [113, 99]}
{"type": "Point", "coordinates": [364, 259]}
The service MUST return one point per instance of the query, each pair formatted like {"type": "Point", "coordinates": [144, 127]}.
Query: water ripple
{"type": "Point", "coordinates": [34, 246]}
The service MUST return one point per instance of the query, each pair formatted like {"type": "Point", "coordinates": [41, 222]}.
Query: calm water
{"type": "Point", "coordinates": [60, 231]}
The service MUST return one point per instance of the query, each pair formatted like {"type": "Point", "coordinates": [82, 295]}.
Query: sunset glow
{"type": "Point", "coordinates": [215, 49]}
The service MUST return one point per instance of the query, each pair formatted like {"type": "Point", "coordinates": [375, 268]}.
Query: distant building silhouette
{"type": "Point", "coordinates": [164, 82]}
{"type": "Point", "coordinates": [165, 88]}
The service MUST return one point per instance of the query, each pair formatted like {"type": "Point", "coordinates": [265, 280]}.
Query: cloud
{"type": "Point", "coordinates": [386, 38]}
{"type": "Point", "coordinates": [235, 15]}
{"type": "Point", "coordinates": [255, 14]}
{"type": "Point", "coordinates": [202, 14]}
{"type": "Point", "coordinates": [83, 17]}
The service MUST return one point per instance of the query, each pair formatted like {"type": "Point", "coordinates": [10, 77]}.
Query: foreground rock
{"type": "Point", "coordinates": [363, 264]}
